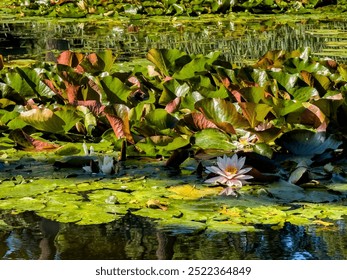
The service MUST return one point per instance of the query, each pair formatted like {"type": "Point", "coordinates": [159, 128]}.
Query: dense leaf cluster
{"type": "Point", "coordinates": [289, 107]}
{"type": "Point", "coordinates": [190, 102]}
{"type": "Point", "coordinates": [82, 8]}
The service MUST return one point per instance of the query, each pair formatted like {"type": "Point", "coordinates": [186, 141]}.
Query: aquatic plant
{"type": "Point", "coordinates": [230, 172]}
{"type": "Point", "coordinates": [114, 8]}
{"type": "Point", "coordinates": [188, 109]}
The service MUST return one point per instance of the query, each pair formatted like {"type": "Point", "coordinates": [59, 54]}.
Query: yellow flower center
{"type": "Point", "coordinates": [231, 170]}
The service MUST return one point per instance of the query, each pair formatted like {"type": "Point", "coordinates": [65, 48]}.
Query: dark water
{"type": "Point", "coordinates": [134, 238]}
{"type": "Point", "coordinates": [239, 41]}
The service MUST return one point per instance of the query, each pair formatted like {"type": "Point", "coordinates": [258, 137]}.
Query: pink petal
{"type": "Point", "coordinates": [244, 177]}
{"type": "Point", "coordinates": [244, 170]}
{"type": "Point", "coordinates": [234, 182]}
{"type": "Point", "coordinates": [217, 179]}
{"type": "Point", "coordinates": [228, 191]}
{"type": "Point", "coordinates": [241, 162]}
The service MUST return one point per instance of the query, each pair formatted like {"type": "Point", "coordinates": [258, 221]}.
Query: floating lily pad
{"type": "Point", "coordinates": [190, 192]}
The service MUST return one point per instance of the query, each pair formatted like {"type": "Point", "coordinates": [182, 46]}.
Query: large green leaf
{"type": "Point", "coordinates": [160, 119]}
{"type": "Point", "coordinates": [116, 91]}
{"type": "Point", "coordinates": [222, 112]}
{"type": "Point", "coordinates": [161, 145]}
{"type": "Point", "coordinates": [213, 139]}
{"type": "Point", "coordinates": [307, 143]}
{"type": "Point", "coordinates": [287, 81]}
{"type": "Point", "coordinates": [199, 65]}
{"type": "Point", "coordinates": [44, 119]}
{"type": "Point", "coordinates": [255, 113]}
{"type": "Point", "coordinates": [303, 94]}
{"type": "Point", "coordinates": [165, 60]}
{"type": "Point", "coordinates": [69, 116]}
{"type": "Point", "coordinates": [19, 84]}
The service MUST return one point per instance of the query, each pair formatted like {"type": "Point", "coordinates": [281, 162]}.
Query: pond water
{"type": "Point", "coordinates": [239, 40]}
{"type": "Point", "coordinates": [134, 237]}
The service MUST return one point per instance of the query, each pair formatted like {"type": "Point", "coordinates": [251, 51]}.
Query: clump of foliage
{"type": "Point", "coordinates": [179, 101]}
{"type": "Point", "coordinates": [285, 115]}
{"type": "Point", "coordinates": [82, 8]}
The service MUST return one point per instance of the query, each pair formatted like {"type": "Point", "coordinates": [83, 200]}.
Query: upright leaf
{"type": "Point", "coordinates": [221, 112]}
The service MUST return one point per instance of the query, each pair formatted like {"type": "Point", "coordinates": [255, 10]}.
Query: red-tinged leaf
{"type": "Point", "coordinates": [70, 58]}
{"type": "Point", "coordinates": [173, 106]}
{"type": "Point", "coordinates": [307, 78]}
{"type": "Point", "coordinates": [237, 95]}
{"type": "Point", "coordinates": [41, 145]}
{"type": "Point", "coordinates": [331, 64]}
{"type": "Point", "coordinates": [93, 105]}
{"type": "Point", "coordinates": [268, 135]}
{"type": "Point", "coordinates": [313, 115]}
{"type": "Point", "coordinates": [271, 59]}
{"type": "Point", "coordinates": [118, 117]}
{"type": "Point", "coordinates": [197, 121]}
{"type": "Point", "coordinates": [255, 113]}
{"type": "Point", "coordinates": [26, 142]}
{"type": "Point", "coordinates": [71, 92]}
{"type": "Point", "coordinates": [1, 62]}
{"type": "Point", "coordinates": [97, 62]}
{"type": "Point", "coordinates": [90, 92]}
{"type": "Point", "coordinates": [221, 112]}
{"type": "Point", "coordinates": [135, 81]}
{"type": "Point", "coordinates": [51, 85]}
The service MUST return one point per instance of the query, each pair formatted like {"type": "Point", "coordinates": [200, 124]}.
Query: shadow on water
{"type": "Point", "coordinates": [134, 237]}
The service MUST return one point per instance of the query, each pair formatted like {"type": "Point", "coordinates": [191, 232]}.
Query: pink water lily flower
{"type": "Point", "coordinates": [230, 173]}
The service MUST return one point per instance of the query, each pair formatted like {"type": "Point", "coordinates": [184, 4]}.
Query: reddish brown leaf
{"type": "Point", "coordinates": [93, 59]}
{"type": "Point", "coordinates": [197, 121]}
{"type": "Point", "coordinates": [135, 81]}
{"type": "Point", "coordinates": [120, 127]}
{"type": "Point", "coordinates": [331, 63]}
{"type": "Point", "coordinates": [172, 106]}
{"type": "Point", "coordinates": [237, 95]}
{"type": "Point", "coordinates": [93, 105]}
{"type": "Point", "coordinates": [1, 62]}
{"type": "Point", "coordinates": [70, 58]}
{"type": "Point", "coordinates": [307, 78]}
{"type": "Point", "coordinates": [313, 116]}
{"type": "Point", "coordinates": [71, 92]}
{"type": "Point", "coordinates": [26, 142]}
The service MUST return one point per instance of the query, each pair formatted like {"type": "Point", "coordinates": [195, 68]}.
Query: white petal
{"type": "Point", "coordinates": [233, 160]}
{"type": "Point", "coordinates": [241, 162]}
{"type": "Point", "coordinates": [234, 182]}
{"type": "Point", "coordinates": [243, 177]}
{"type": "Point", "coordinates": [217, 179]}
{"type": "Point", "coordinates": [222, 162]}
{"type": "Point", "coordinates": [244, 170]}
{"type": "Point", "coordinates": [216, 170]}
{"type": "Point", "coordinates": [228, 191]}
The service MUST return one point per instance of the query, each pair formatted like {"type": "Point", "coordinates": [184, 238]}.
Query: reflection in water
{"type": "Point", "coordinates": [238, 42]}
{"type": "Point", "coordinates": [136, 238]}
